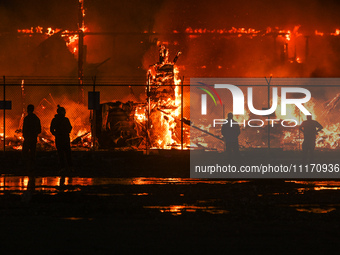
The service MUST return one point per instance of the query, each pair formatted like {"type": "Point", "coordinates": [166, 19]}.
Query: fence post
{"type": "Point", "coordinates": [94, 115]}
{"type": "Point", "coordinates": [148, 114]}
{"type": "Point", "coordinates": [4, 133]}
{"type": "Point", "coordinates": [182, 101]}
{"type": "Point", "coordinates": [224, 117]}
{"type": "Point", "coordinates": [268, 82]}
{"type": "Point", "coordinates": [269, 115]}
{"type": "Point", "coordinates": [299, 131]}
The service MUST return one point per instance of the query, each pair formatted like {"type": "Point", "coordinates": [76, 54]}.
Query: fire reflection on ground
{"type": "Point", "coordinates": [51, 183]}
{"type": "Point", "coordinates": [319, 185]}
{"type": "Point", "coordinates": [179, 196]}
{"type": "Point", "coordinates": [311, 208]}
{"type": "Point", "coordinates": [21, 183]}
{"type": "Point", "coordinates": [180, 209]}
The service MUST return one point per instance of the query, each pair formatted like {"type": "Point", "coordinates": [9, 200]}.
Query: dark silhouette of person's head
{"type": "Point", "coordinates": [230, 116]}
{"type": "Point", "coordinates": [309, 117]}
{"type": "Point", "coordinates": [30, 108]}
{"type": "Point", "coordinates": [61, 111]}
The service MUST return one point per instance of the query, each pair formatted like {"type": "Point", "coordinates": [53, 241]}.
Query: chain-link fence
{"type": "Point", "coordinates": [125, 119]}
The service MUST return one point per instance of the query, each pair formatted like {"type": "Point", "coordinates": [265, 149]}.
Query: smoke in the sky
{"type": "Point", "coordinates": [130, 55]}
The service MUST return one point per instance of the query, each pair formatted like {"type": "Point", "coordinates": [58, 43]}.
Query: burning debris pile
{"type": "Point", "coordinates": [120, 125]}
{"type": "Point", "coordinates": [155, 124]}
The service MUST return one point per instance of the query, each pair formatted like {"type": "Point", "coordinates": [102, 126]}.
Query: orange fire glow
{"type": "Point", "coordinates": [70, 37]}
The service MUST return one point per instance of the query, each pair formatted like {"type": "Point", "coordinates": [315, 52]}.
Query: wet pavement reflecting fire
{"type": "Point", "coordinates": [20, 183]}
{"type": "Point", "coordinates": [178, 196]}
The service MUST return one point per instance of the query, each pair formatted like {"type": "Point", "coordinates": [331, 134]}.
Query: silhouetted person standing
{"type": "Point", "coordinates": [30, 130]}
{"type": "Point", "coordinates": [61, 128]}
{"type": "Point", "coordinates": [310, 129]}
{"type": "Point", "coordinates": [230, 132]}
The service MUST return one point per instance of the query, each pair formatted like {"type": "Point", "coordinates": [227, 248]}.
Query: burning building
{"type": "Point", "coordinates": [233, 40]}
{"type": "Point", "coordinates": [153, 124]}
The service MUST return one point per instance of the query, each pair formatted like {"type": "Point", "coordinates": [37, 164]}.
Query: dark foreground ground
{"type": "Point", "coordinates": [130, 203]}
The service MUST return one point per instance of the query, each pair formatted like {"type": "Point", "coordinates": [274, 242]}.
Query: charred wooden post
{"type": "Point", "coordinates": [81, 52]}
{"type": "Point", "coordinates": [176, 57]}
{"type": "Point", "coordinates": [148, 113]}
{"type": "Point", "coordinates": [286, 52]}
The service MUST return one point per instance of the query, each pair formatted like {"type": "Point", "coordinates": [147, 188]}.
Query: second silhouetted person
{"type": "Point", "coordinates": [230, 132]}
{"type": "Point", "coordinates": [310, 129]}
{"type": "Point", "coordinates": [61, 128]}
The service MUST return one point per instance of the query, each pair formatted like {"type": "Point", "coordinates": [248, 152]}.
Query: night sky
{"type": "Point", "coordinates": [131, 55]}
